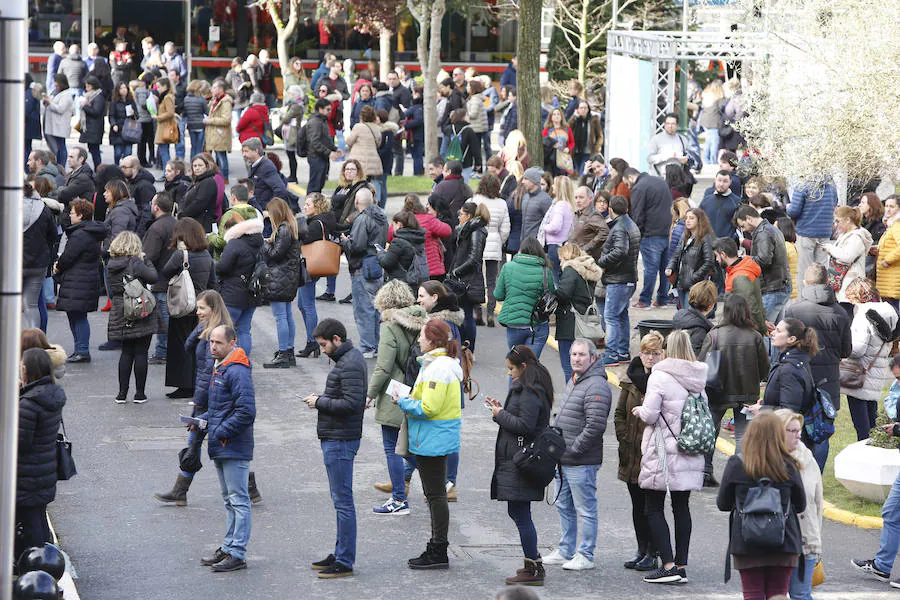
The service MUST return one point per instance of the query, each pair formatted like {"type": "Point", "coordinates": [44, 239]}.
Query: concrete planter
{"type": "Point", "coordinates": [867, 471]}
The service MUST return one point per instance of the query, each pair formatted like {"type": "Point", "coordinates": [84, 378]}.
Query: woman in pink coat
{"type": "Point", "coordinates": [663, 466]}
{"type": "Point", "coordinates": [435, 230]}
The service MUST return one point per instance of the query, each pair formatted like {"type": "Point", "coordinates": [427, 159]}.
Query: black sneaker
{"type": "Point", "coordinates": [109, 346]}
{"type": "Point", "coordinates": [336, 570]}
{"type": "Point", "coordinates": [434, 557]}
{"type": "Point", "coordinates": [631, 564]}
{"type": "Point", "coordinates": [217, 557]}
{"type": "Point", "coordinates": [710, 481]}
{"type": "Point", "coordinates": [230, 564]}
{"type": "Point", "coordinates": [662, 575]}
{"type": "Point", "coordinates": [683, 573]}
{"type": "Point", "coordinates": [323, 564]}
{"type": "Point", "coordinates": [326, 297]}
{"type": "Point", "coordinates": [868, 566]}
{"type": "Point", "coordinates": [346, 300]}
{"type": "Point", "coordinates": [647, 563]}
{"type": "Point", "coordinates": [79, 358]}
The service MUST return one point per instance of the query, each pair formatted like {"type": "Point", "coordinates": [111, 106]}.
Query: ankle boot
{"type": "Point", "coordinates": [532, 574]}
{"type": "Point", "coordinates": [490, 320]}
{"type": "Point", "coordinates": [178, 495]}
{"type": "Point", "coordinates": [479, 319]}
{"type": "Point", "coordinates": [283, 360]}
{"type": "Point", "coordinates": [434, 557]}
{"type": "Point", "coordinates": [312, 348]}
{"type": "Point", "coordinates": [255, 497]}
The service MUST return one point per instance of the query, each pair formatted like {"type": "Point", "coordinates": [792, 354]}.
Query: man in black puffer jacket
{"type": "Point", "coordinates": [141, 185]}
{"type": "Point", "coordinates": [618, 259]}
{"type": "Point", "coordinates": [339, 427]}
{"type": "Point", "coordinates": [582, 416]}
{"type": "Point", "coordinates": [40, 412]}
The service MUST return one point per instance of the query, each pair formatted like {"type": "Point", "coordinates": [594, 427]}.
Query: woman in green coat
{"type": "Point", "coordinates": [401, 321]}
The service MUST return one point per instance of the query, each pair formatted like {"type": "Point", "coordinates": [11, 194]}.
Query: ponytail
{"type": "Point", "coordinates": [807, 338]}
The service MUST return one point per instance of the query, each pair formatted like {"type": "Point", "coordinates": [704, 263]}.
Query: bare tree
{"type": "Point", "coordinates": [429, 14]}
{"type": "Point", "coordinates": [284, 30]}
{"type": "Point", "coordinates": [528, 51]}
{"type": "Point", "coordinates": [377, 17]}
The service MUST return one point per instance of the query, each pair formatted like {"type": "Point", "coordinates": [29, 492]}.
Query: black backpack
{"type": "Point", "coordinates": [762, 518]}
{"type": "Point", "coordinates": [539, 460]}
{"type": "Point", "coordinates": [258, 279]}
{"type": "Point", "coordinates": [302, 142]}
{"type": "Point", "coordinates": [413, 366]}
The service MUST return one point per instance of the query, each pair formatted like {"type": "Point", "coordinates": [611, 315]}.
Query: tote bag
{"type": "Point", "coordinates": [181, 298]}
{"type": "Point", "coordinates": [131, 131]}
{"type": "Point", "coordinates": [323, 257]}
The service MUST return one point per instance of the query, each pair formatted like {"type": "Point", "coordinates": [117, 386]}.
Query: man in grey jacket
{"type": "Point", "coordinates": [768, 250]}
{"type": "Point", "coordinates": [535, 204]}
{"type": "Point", "coordinates": [582, 416]}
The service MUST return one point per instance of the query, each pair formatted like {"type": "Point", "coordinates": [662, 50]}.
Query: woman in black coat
{"type": "Point", "coordinates": [127, 259]}
{"type": "Point", "coordinates": [200, 199]}
{"type": "Point", "coordinates": [320, 225]}
{"type": "Point", "coordinates": [118, 112]}
{"type": "Point", "coordinates": [471, 236]}
{"type": "Point", "coordinates": [177, 182]}
{"type": "Point", "coordinates": [93, 107]}
{"type": "Point", "coordinates": [243, 242]}
{"type": "Point", "coordinates": [40, 412]}
{"type": "Point", "coordinates": [77, 272]}
{"type": "Point", "coordinates": [281, 252]}
{"type": "Point", "coordinates": [693, 260]}
{"type": "Point", "coordinates": [187, 237]}
{"type": "Point", "coordinates": [521, 418]}
{"type": "Point", "coordinates": [400, 257]}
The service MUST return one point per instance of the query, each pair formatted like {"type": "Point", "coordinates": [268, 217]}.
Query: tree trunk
{"type": "Point", "coordinates": [528, 50]}
{"type": "Point", "coordinates": [283, 56]}
{"type": "Point", "coordinates": [429, 92]}
{"type": "Point", "coordinates": [384, 51]}
{"type": "Point", "coordinates": [582, 42]}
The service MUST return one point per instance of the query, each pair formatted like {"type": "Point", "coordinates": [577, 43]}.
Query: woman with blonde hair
{"type": "Point", "coordinates": [665, 469]}
{"type": "Point", "coordinates": [281, 252]}
{"type": "Point", "coordinates": [578, 278]}
{"type": "Point", "coordinates": [850, 249]}
{"type": "Point", "coordinates": [127, 260]}
{"type": "Point", "coordinates": [871, 332]}
{"type": "Point", "coordinates": [515, 149]}
{"type": "Point", "coordinates": [765, 568]}
{"type": "Point", "coordinates": [629, 433]}
{"type": "Point", "coordinates": [811, 518]}
{"type": "Point", "coordinates": [320, 225]}
{"type": "Point", "coordinates": [558, 222]}
{"type": "Point", "coordinates": [888, 262]}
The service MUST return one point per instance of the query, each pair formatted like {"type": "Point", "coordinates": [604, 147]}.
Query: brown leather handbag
{"type": "Point", "coordinates": [323, 257]}
{"type": "Point", "coordinates": [169, 133]}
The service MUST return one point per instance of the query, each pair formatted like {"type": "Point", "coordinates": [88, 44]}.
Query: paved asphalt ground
{"type": "Point", "coordinates": [125, 545]}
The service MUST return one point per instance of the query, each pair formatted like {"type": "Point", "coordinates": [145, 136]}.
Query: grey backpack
{"type": "Point", "coordinates": [418, 270]}
{"type": "Point", "coordinates": [138, 300]}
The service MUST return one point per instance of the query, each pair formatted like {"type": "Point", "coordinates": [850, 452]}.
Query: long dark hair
{"type": "Point", "coordinates": [531, 245]}
{"type": "Point", "coordinates": [619, 164]}
{"type": "Point", "coordinates": [807, 339]}
{"type": "Point", "coordinates": [535, 376]}
{"type": "Point", "coordinates": [737, 312]}
{"type": "Point", "coordinates": [37, 364]}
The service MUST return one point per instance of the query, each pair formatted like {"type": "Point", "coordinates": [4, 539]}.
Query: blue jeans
{"type": "Point", "coordinates": [418, 156]}
{"type": "Point", "coordinates": [520, 513]}
{"type": "Point", "coordinates": [802, 589]}
{"type": "Point", "coordinates": [555, 266]}
{"type": "Point", "coordinates": [120, 151]}
{"type": "Point", "coordinates": [711, 147]}
{"type": "Point", "coordinates": [47, 291]}
{"type": "Point", "coordinates": [578, 160]}
{"type": "Point", "coordinates": [318, 173]}
{"type": "Point", "coordinates": [242, 318]}
{"type": "Point", "coordinates": [81, 331]}
{"type": "Point", "coordinates": [653, 252]}
{"type": "Point", "coordinates": [284, 324]}
{"type": "Point", "coordinates": [467, 173]}
{"type": "Point", "coordinates": [198, 138]}
{"type": "Point", "coordinates": [565, 360]}
{"type": "Point", "coordinates": [339, 456]}
{"type": "Point", "coordinates": [233, 479]}
{"type": "Point", "coordinates": [389, 437]}
{"type": "Point", "coordinates": [578, 499]}
{"type": "Point", "coordinates": [820, 452]}
{"type": "Point", "coordinates": [774, 303]}
{"type": "Point", "coordinates": [32, 288]}
{"type": "Point", "coordinates": [306, 302]}
{"type": "Point", "coordinates": [331, 284]}
{"type": "Point", "coordinates": [221, 161]}
{"type": "Point", "coordinates": [522, 335]}
{"type": "Point", "coordinates": [380, 184]}
{"type": "Point", "coordinates": [181, 122]}
{"type": "Point", "coordinates": [162, 150]}
{"type": "Point", "coordinates": [364, 313]}
{"type": "Point", "coordinates": [62, 154]}
{"type": "Point", "coordinates": [615, 314]}
{"type": "Point", "coordinates": [890, 531]}
{"type": "Point", "coordinates": [162, 339]}
{"type": "Point", "coordinates": [468, 331]}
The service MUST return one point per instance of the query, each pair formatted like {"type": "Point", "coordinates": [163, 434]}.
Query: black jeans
{"type": "Point", "coordinates": [520, 513]}
{"type": "Point", "coordinates": [491, 271]}
{"type": "Point", "coordinates": [659, 529]}
{"type": "Point", "coordinates": [94, 149]}
{"type": "Point", "coordinates": [146, 148]}
{"type": "Point", "coordinates": [468, 331]}
{"type": "Point", "coordinates": [639, 518]}
{"type": "Point", "coordinates": [862, 413]}
{"type": "Point", "coordinates": [31, 528]}
{"type": "Point", "coordinates": [433, 471]}
{"type": "Point", "coordinates": [292, 162]}
{"type": "Point", "coordinates": [134, 354]}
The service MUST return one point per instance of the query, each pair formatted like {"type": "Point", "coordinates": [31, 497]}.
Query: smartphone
{"type": "Point", "coordinates": [379, 247]}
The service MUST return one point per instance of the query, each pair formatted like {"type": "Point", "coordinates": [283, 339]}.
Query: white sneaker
{"type": "Point", "coordinates": [555, 558]}
{"type": "Point", "coordinates": [578, 563]}
{"type": "Point", "coordinates": [370, 354]}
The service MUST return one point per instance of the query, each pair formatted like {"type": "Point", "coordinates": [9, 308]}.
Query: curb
{"type": "Point", "coordinates": [830, 511]}
{"type": "Point", "coordinates": [66, 583]}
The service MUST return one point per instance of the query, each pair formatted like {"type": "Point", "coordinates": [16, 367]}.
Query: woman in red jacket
{"type": "Point", "coordinates": [434, 230]}
{"type": "Point", "coordinates": [254, 120]}
{"type": "Point", "coordinates": [558, 139]}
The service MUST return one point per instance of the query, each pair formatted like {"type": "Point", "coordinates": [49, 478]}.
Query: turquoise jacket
{"type": "Point", "coordinates": [434, 410]}
{"type": "Point", "coordinates": [520, 286]}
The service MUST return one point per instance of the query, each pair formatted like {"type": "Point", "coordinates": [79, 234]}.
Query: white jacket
{"type": "Point", "coordinates": [870, 350]}
{"type": "Point", "coordinates": [497, 229]}
{"type": "Point", "coordinates": [476, 113]}
{"type": "Point", "coordinates": [58, 115]}
{"type": "Point", "coordinates": [811, 518]}
{"type": "Point", "coordinates": [851, 248]}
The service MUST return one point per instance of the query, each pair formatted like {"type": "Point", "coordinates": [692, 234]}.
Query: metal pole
{"type": "Point", "coordinates": [14, 46]}
{"type": "Point", "coordinates": [615, 15]}
{"type": "Point", "coordinates": [87, 11]}
{"type": "Point", "coordinates": [187, 36]}
{"type": "Point", "coordinates": [683, 67]}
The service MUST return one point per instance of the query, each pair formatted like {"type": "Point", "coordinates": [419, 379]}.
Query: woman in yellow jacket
{"type": "Point", "coordinates": [888, 272]}
{"type": "Point", "coordinates": [433, 413]}
{"type": "Point", "coordinates": [166, 128]}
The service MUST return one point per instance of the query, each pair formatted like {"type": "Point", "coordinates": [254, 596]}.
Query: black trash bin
{"type": "Point", "coordinates": [664, 326]}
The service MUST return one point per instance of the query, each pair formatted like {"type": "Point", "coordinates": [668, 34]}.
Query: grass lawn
{"type": "Point", "coordinates": [837, 494]}
{"type": "Point", "coordinates": [407, 184]}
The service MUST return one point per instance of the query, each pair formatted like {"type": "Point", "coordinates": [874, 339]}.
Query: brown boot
{"type": "Point", "coordinates": [451, 492]}
{"type": "Point", "coordinates": [178, 495]}
{"type": "Point", "coordinates": [532, 574]}
{"type": "Point", "coordinates": [387, 488]}
{"type": "Point", "coordinates": [253, 491]}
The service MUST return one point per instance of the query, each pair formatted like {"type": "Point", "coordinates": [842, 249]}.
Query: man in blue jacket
{"type": "Point", "coordinates": [267, 181]}
{"type": "Point", "coordinates": [339, 427]}
{"type": "Point", "coordinates": [230, 414]}
{"type": "Point", "coordinates": [812, 209]}
{"type": "Point", "coordinates": [720, 203]}
{"type": "Point", "coordinates": [651, 210]}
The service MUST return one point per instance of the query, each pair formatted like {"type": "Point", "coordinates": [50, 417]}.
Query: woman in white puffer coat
{"type": "Point", "coordinates": [871, 331]}
{"type": "Point", "coordinates": [497, 233]}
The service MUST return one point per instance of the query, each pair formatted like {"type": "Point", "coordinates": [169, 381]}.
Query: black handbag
{"type": "Point", "coordinates": [65, 464]}
{"type": "Point", "coordinates": [189, 456]}
{"type": "Point", "coordinates": [539, 460]}
{"type": "Point", "coordinates": [131, 131]}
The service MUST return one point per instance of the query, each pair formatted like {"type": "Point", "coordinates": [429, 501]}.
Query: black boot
{"type": "Point", "coordinates": [255, 496]}
{"type": "Point", "coordinates": [647, 563]}
{"type": "Point", "coordinates": [312, 348]}
{"type": "Point", "coordinates": [178, 495]}
{"type": "Point", "coordinates": [283, 360]}
{"type": "Point", "coordinates": [479, 319]}
{"type": "Point", "coordinates": [434, 557]}
{"type": "Point", "coordinates": [348, 299]}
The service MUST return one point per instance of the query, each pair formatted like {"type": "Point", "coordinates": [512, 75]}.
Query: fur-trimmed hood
{"type": "Point", "coordinates": [584, 265]}
{"type": "Point", "coordinates": [248, 227]}
{"type": "Point", "coordinates": [411, 317]}
{"type": "Point", "coordinates": [390, 126]}
{"type": "Point", "coordinates": [393, 294]}
{"type": "Point", "coordinates": [454, 316]}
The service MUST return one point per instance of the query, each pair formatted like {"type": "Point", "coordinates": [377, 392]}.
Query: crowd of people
{"type": "Point", "coordinates": [557, 244]}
